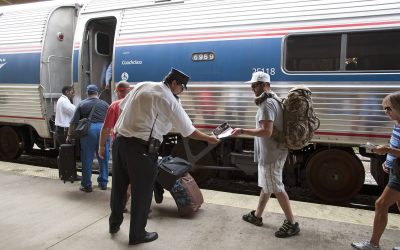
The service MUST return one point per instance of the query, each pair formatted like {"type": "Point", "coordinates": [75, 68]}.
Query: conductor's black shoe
{"type": "Point", "coordinates": [114, 229]}
{"type": "Point", "coordinates": [158, 193]}
{"type": "Point", "coordinates": [147, 238]}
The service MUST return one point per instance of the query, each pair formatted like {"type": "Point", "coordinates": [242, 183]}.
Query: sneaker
{"type": "Point", "coordinates": [396, 248]}
{"type": "Point", "coordinates": [102, 187]}
{"type": "Point", "coordinates": [365, 245]}
{"type": "Point", "coordinates": [287, 229]}
{"type": "Point", "coordinates": [253, 219]}
{"type": "Point", "coordinates": [86, 189]}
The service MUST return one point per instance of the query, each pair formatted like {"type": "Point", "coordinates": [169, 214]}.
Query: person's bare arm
{"type": "Point", "coordinates": [265, 130]}
{"type": "Point", "coordinates": [104, 134]}
{"type": "Point", "coordinates": [197, 135]}
{"type": "Point", "coordinates": [386, 149]}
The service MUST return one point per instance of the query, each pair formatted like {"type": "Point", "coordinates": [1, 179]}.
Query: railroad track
{"type": "Point", "coordinates": [364, 200]}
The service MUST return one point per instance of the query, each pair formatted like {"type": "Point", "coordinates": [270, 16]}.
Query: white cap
{"type": "Point", "coordinates": [259, 76]}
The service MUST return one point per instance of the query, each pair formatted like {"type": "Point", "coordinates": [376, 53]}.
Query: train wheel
{"type": "Point", "coordinates": [334, 175]}
{"type": "Point", "coordinates": [11, 143]}
{"type": "Point", "coordinates": [200, 175]}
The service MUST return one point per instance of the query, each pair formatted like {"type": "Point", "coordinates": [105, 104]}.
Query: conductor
{"type": "Point", "coordinates": [150, 111]}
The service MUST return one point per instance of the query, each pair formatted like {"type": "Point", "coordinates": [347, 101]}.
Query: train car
{"type": "Point", "coordinates": [36, 42]}
{"type": "Point", "coordinates": [346, 52]}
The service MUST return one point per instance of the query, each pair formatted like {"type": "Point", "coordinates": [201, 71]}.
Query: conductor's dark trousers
{"type": "Point", "coordinates": [132, 165]}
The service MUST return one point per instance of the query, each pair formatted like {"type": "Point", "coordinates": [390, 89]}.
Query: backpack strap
{"type": "Point", "coordinates": [277, 135]}
{"type": "Point", "coordinates": [92, 112]}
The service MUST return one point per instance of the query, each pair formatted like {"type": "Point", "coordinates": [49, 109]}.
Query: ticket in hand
{"type": "Point", "coordinates": [223, 130]}
{"type": "Point", "coordinates": [369, 145]}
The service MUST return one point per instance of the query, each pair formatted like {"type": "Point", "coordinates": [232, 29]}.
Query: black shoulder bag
{"type": "Point", "coordinates": [171, 169]}
{"type": "Point", "coordinates": [83, 126]}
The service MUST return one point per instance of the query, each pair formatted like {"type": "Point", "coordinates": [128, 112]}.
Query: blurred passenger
{"type": "Point", "coordinates": [90, 142]}
{"type": "Point", "coordinates": [391, 193]}
{"type": "Point", "coordinates": [108, 77]}
{"type": "Point", "coordinates": [122, 89]}
{"type": "Point", "coordinates": [64, 113]}
{"type": "Point", "coordinates": [148, 112]}
{"type": "Point", "coordinates": [269, 155]}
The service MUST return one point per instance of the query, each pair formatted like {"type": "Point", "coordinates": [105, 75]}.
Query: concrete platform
{"type": "Point", "coordinates": [38, 211]}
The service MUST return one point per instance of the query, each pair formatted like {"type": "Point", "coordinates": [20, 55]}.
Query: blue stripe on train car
{"type": "Point", "coordinates": [20, 68]}
{"type": "Point", "coordinates": [234, 61]}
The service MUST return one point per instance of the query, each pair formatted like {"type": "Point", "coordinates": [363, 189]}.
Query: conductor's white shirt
{"type": "Point", "coordinates": [146, 102]}
{"type": "Point", "coordinates": [64, 112]}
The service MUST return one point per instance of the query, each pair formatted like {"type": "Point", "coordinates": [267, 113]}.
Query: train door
{"type": "Point", "coordinates": [97, 54]}
{"type": "Point", "coordinates": [56, 64]}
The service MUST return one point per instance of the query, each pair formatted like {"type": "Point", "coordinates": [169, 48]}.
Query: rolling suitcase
{"type": "Point", "coordinates": [187, 195]}
{"type": "Point", "coordinates": [66, 162]}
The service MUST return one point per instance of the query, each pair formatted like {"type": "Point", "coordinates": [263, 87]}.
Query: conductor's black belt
{"type": "Point", "coordinates": [139, 141]}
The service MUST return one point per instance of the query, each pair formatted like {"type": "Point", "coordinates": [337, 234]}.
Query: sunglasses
{"type": "Point", "coordinates": [255, 84]}
{"type": "Point", "coordinates": [387, 109]}
{"type": "Point", "coordinates": [183, 87]}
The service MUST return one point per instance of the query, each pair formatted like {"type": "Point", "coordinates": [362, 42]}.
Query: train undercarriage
{"type": "Point", "coordinates": [14, 140]}
{"type": "Point", "coordinates": [334, 174]}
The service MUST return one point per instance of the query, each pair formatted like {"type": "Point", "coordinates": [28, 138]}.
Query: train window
{"type": "Point", "coordinates": [102, 44]}
{"type": "Point", "coordinates": [362, 51]}
{"type": "Point", "coordinates": [374, 50]}
{"type": "Point", "coordinates": [313, 52]}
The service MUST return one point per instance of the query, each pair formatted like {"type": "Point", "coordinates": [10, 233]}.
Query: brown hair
{"type": "Point", "coordinates": [393, 99]}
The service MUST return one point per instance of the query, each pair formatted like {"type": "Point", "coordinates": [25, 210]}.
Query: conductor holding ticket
{"type": "Point", "coordinates": [148, 112]}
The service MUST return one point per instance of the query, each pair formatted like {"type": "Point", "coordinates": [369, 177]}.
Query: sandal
{"type": "Point", "coordinates": [253, 219]}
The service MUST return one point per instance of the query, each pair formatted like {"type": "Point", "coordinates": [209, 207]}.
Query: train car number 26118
{"type": "Point", "coordinates": [270, 71]}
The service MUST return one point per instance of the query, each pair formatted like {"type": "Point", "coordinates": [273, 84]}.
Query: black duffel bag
{"type": "Point", "coordinates": [171, 169]}
{"type": "Point", "coordinates": [82, 128]}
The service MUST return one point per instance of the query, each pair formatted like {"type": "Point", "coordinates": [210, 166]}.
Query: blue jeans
{"type": "Point", "coordinates": [89, 147]}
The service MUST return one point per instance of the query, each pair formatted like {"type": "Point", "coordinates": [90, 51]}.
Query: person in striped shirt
{"type": "Point", "coordinates": [391, 193]}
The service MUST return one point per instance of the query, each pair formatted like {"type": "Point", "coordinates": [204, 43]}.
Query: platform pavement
{"type": "Point", "coordinates": [38, 211]}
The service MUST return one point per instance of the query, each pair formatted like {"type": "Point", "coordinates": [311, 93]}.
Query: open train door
{"type": "Point", "coordinates": [56, 64]}
{"type": "Point", "coordinates": [97, 54]}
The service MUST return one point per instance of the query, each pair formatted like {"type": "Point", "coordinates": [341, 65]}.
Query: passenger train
{"type": "Point", "coordinates": [346, 52]}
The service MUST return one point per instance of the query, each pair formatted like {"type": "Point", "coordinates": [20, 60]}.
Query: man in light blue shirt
{"type": "Point", "coordinates": [109, 75]}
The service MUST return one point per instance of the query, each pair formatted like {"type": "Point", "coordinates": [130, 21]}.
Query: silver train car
{"type": "Point", "coordinates": [36, 42]}
{"type": "Point", "coordinates": [346, 52]}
